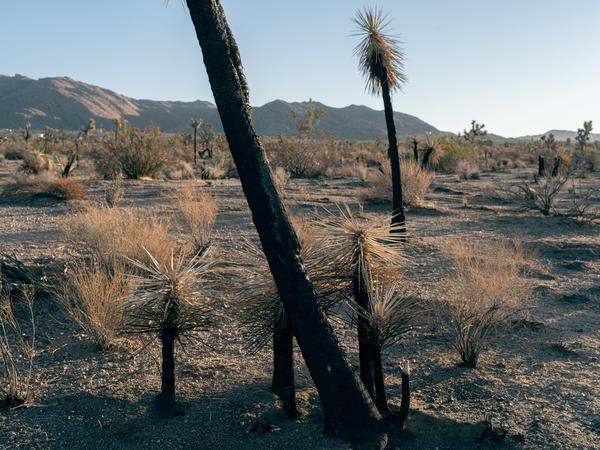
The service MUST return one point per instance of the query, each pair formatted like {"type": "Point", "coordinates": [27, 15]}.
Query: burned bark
{"type": "Point", "coordinates": [283, 384]}
{"type": "Point", "coordinates": [348, 409]}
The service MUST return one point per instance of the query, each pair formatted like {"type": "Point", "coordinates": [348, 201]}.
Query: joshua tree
{"type": "Point", "coordinates": [82, 137]}
{"type": "Point", "coordinates": [381, 60]}
{"type": "Point", "coordinates": [348, 409]}
{"type": "Point", "coordinates": [195, 125]}
{"type": "Point", "coordinates": [170, 306]}
{"type": "Point", "coordinates": [118, 122]}
{"type": "Point", "coordinates": [26, 131]}
{"type": "Point", "coordinates": [477, 130]}
{"type": "Point", "coordinates": [583, 135]}
{"type": "Point", "coordinates": [306, 123]}
{"type": "Point", "coordinates": [549, 143]}
{"type": "Point", "coordinates": [207, 138]}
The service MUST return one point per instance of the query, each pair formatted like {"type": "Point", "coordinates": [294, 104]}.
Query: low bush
{"type": "Point", "coordinates": [415, 183]}
{"type": "Point", "coordinates": [484, 294]}
{"type": "Point", "coordinates": [44, 186]}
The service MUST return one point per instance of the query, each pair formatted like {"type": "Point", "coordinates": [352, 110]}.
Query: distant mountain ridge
{"type": "Point", "coordinates": [559, 135]}
{"type": "Point", "coordinates": [64, 103]}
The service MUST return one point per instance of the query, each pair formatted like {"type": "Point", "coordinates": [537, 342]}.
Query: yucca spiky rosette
{"type": "Point", "coordinates": [262, 312]}
{"type": "Point", "coordinates": [354, 247]}
{"type": "Point", "coordinates": [171, 294]}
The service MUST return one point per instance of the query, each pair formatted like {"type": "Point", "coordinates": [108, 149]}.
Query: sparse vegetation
{"type": "Point", "coordinates": [44, 186]}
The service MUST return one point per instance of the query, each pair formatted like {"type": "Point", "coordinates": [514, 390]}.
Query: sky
{"type": "Point", "coordinates": [518, 66]}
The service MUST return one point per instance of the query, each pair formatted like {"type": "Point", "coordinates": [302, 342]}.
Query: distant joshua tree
{"type": "Point", "coordinates": [583, 135]}
{"type": "Point", "coordinates": [477, 130]}
{"type": "Point", "coordinates": [196, 123]}
{"type": "Point", "coordinates": [306, 123]}
{"type": "Point", "coordinates": [26, 131]}
{"type": "Point", "coordinates": [381, 60]}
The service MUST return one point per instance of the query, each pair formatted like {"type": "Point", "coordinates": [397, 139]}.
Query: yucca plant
{"type": "Point", "coordinates": [381, 61]}
{"type": "Point", "coordinates": [171, 305]}
{"type": "Point", "coordinates": [357, 250]}
{"type": "Point", "coordinates": [391, 313]}
{"type": "Point", "coordinates": [263, 315]}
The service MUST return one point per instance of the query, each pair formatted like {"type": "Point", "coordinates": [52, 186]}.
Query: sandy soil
{"type": "Point", "coordinates": [541, 384]}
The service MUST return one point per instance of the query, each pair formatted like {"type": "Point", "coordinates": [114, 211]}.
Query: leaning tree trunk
{"type": "Point", "coordinates": [283, 370]}
{"type": "Point", "coordinates": [348, 409]}
{"type": "Point", "coordinates": [397, 206]}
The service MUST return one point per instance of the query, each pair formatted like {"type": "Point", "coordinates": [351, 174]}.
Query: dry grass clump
{"type": "Point", "coordinates": [45, 186]}
{"type": "Point", "coordinates": [181, 170]}
{"type": "Point", "coordinates": [34, 163]}
{"type": "Point", "coordinates": [415, 183]}
{"type": "Point", "coordinates": [109, 234]}
{"type": "Point", "coordinates": [199, 211]}
{"type": "Point", "coordinates": [467, 169]}
{"type": "Point", "coordinates": [484, 294]}
{"type": "Point", "coordinates": [281, 177]}
{"type": "Point", "coordinates": [17, 349]}
{"type": "Point", "coordinates": [93, 298]}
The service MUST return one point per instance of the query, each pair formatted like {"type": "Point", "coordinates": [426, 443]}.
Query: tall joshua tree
{"type": "Point", "coordinates": [381, 60]}
{"type": "Point", "coordinates": [348, 410]}
{"type": "Point", "coordinates": [195, 125]}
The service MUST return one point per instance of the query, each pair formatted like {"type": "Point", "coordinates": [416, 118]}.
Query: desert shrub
{"type": "Point", "coordinates": [581, 205]}
{"type": "Point", "coordinates": [484, 294]}
{"type": "Point", "coordinates": [34, 163]}
{"type": "Point", "coordinates": [415, 183]}
{"type": "Point", "coordinates": [45, 186]}
{"type": "Point", "coordinates": [199, 211]}
{"type": "Point", "coordinates": [468, 170]}
{"type": "Point", "coordinates": [181, 170]}
{"type": "Point", "coordinates": [114, 193]}
{"type": "Point", "coordinates": [109, 234]}
{"type": "Point", "coordinates": [140, 153]}
{"type": "Point", "coordinates": [213, 170]}
{"type": "Point", "coordinates": [93, 297]}
{"type": "Point", "coordinates": [452, 150]}
{"type": "Point", "coordinates": [17, 348]}
{"type": "Point", "coordinates": [539, 195]}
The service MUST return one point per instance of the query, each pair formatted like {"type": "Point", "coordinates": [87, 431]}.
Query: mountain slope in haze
{"type": "Point", "coordinates": [64, 103]}
{"type": "Point", "coordinates": [559, 135]}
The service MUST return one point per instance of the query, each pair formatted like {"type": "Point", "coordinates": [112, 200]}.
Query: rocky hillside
{"type": "Point", "coordinates": [64, 103]}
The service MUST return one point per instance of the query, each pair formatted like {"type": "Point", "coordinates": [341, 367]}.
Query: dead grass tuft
{"type": "Point", "coordinates": [415, 183]}
{"type": "Point", "coordinates": [484, 294]}
{"type": "Point", "coordinates": [45, 186]}
{"type": "Point", "coordinates": [93, 299]}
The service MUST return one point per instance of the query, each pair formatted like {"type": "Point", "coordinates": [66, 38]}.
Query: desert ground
{"type": "Point", "coordinates": [538, 383]}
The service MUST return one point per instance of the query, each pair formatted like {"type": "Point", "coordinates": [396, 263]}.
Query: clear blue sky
{"type": "Point", "coordinates": [519, 66]}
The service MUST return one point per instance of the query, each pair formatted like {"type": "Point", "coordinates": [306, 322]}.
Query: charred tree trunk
{"type": "Point", "coordinates": [195, 146]}
{"type": "Point", "coordinates": [426, 157]}
{"type": "Point", "coordinates": [69, 166]}
{"type": "Point", "coordinates": [167, 379]}
{"type": "Point", "coordinates": [379, 377]}
{"type": "Point", "coordinates": [541, 166]}
{"type": "Point", "coordinates": [405, 402]}
{"type": "Point", "coordinates": [556, 168]}
{"type": "Point", "coordinates": [397, 205]}
{"type": "Point", "coordinates": [348, 409]}
{"type": "Point", "coordinates": [283, 371]}
{"type": "Point", "coordinates": [365, 352]}
{"type": "Point", "coordinates": [415, 144]}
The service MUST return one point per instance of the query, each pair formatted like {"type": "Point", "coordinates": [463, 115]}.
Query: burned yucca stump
{"type": "Point", "coordinates": [170, 303]}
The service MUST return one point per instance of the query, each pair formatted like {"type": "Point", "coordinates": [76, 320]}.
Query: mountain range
{"type": "Point", "coordinates": [64, 103]}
